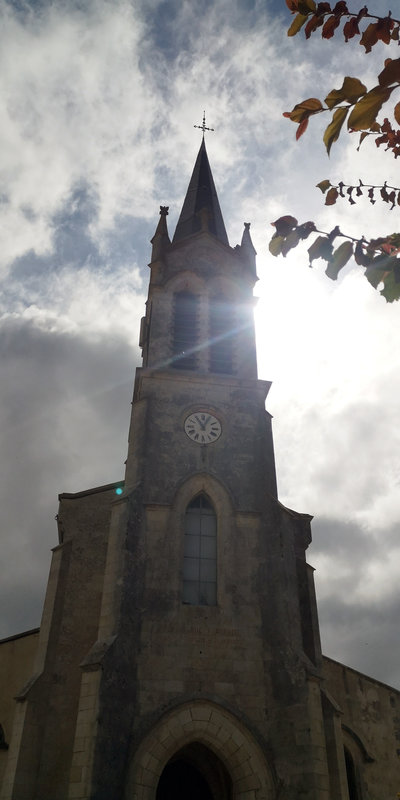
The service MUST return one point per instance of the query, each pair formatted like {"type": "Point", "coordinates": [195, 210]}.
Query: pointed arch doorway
{"type": "Point", "coordinates": [200, 738]}
{"type": "Point", "coordinates": [194, 772]}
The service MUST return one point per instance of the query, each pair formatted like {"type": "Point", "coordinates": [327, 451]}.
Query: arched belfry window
{"type": "Point", "coordinates": [222, 326]}
{"type": "Point", "coordinates": [200, 553]}
{"type": "Point", "coordinates": [185, 330]}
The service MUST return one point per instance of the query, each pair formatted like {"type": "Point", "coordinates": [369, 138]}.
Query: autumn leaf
{"type": "Point", "coordinates": [291, 241]}
{"type": "Point", "coordinates": [305, 6]}
{"type": "Point", "coordinates": [323, 185]}
{"type": "Point", "coordinates": [369, 37]}
{"type": "Point", "coordinates": [384, 27]}
{"type": "Point", "coordinates": [339, 259]}
{"type": "Point", "coordinates": [275, 245]}
{"type": "Point", "coordinates": [304, 109]}
{"type": "Point", "coordinates": [331, 196]}
{"type": "Point", "coordinates": [313, 23]}
{"type": "Point", "coordinates": [396, 113]}
{"type": "Point", "coordinates": [302, 128]}
{"type": "Point", "coordinates": [284, 225]}
{"type": "Point", "coordinates": [365, 110]}
{"type": "Point", "coordinates": [332, 132]}
{"type": "Point", "coordinates": [351, 90]}
{"type": "Point", "coordinates": [351, 29]}
{"type": "Point", "coordinates": [330, 26]}
{"type": "Point", "coordinates": [297, 24]}
{"type": "Point", "coordinates": [390, 73]}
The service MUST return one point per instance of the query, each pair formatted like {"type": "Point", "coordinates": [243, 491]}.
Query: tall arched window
{"type": "Point", "coordinates": [185, 330]}
{"type": "Point", "coordinates": [351, 775]}
{"type": "Point", "coordinates": [200, 554]}
{"type": "Point", "coordinates": [222, 325]}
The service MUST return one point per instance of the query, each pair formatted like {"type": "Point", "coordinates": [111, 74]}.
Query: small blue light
{"type": "Point", "coordinates": [119, 490]}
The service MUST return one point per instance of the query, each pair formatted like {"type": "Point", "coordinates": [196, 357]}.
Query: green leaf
{"type": "Point", "coordinates": [297, 24]}
{"type": "Point", "coordinates": [385, 269]}
{"type": "Point", "coordinates": [339, 259]}
{"type": "Point", "coordinates": [351, 90]}
{"type": "Point", "coordinates": [323, 185]}
{"type": "Point", "coordinates": [321, 248]}
{"type": "Point", "coordinates": [291, 241]}
{"type": "Point", "coordinates": [332, 132]}
{"type": "Point", "coordinates": [275, 245]}
{"type": "Point", "coordinates": [364, 112]}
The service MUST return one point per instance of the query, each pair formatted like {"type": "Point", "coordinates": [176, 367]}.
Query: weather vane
{"type": "Point", "coordinates": [203, 127]}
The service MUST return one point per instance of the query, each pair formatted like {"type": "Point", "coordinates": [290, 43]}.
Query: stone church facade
{"type": "Point", "coordinates": [179, 651]}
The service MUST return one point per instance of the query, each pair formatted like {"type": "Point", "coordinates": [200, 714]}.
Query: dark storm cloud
{"type": "Point", "coordinates": [64, 413]}
{"type": "Point", "coordinates": [358, 595]}
{"type": "Point", "coordinates": [364, 635]}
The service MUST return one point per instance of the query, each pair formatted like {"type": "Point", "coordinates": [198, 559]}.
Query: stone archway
{"type": "Point", "coordinates": [195, 772]}
{"type": "Point", "coordinates": [209, 740]}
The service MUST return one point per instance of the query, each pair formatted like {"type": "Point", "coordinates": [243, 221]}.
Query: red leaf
{"type": "Point", "coordinates": [323, 8]}
{"type": "Point", "coordinates": [370, 36]}
{"type": "Point", "coordinates": [383, 29]}
{"type": "Point", "coordinates": [302, 127]}
{"type": "Point", "coordinates": [350, 29]}
{"type": "Point", "coordinates": [360, 256]}
{"type": "Point", "coordinates": [312, 25]}
{"type": "Point", "coordinates": [292, 5]}
{"type": "Point", "coordinates": [330, 26]}
{"type": "Point", "coordinates": [341, 8]}
{"type": "Point", "coordinates": [284, 225]}
{"type": "Point", "coordinates": [331, 197]}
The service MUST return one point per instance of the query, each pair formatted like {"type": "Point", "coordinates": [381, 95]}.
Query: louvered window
{"type": "Point", "coordinates": [200, 554]}
{"type": "Point", "coordinates": [185, 330]}
{"type": "Point", "coordinates": [222, 325]}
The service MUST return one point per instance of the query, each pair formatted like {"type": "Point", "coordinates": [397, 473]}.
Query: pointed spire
{"type": "Point", "coordinates": [247, 248]}
{"type": "Point", "coordinates": [160, 240]}
{"type": "Point", "coordinates": [201, 210]}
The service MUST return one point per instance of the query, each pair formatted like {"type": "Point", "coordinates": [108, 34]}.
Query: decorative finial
{"type": "Point", "coordinates": [203, 127]}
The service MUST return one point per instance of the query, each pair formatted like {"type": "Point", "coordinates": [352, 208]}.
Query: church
{"type": "Point", "coordinates": [179, 654]}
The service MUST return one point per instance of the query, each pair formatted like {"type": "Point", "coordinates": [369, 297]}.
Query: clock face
{"type": "Point", "coordinates": [202, 427]}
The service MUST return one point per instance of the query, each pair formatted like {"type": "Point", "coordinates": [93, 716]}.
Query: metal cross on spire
{"type": "Point", "coordinates": [203, 127]}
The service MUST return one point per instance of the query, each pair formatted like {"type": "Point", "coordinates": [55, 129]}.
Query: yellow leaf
{"type": "Point", "coordinates": [332, 132]}
{"type": "Point", "coordinates": [364, 112]}
{"type": "Point", "coordinates": [307, 5]}
{"type": "Point", "coordinates": [297, 24]}
{"type": "Point", "coordinates": [305, 109]}
{"type": "Point", "coordinates": [351, 90]}
{"type": "Point", "coordinates": [324, 185]}
{"type": "Point", "coordinates": [275, 245]}
{"type": "Point", "coordinates": [390, 73]}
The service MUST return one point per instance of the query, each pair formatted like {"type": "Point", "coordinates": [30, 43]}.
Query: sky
{"type": "Point", "coordinates": [99, 100]}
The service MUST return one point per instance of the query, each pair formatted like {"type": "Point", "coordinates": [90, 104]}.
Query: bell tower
{"type": "Point", "coordinates": [208, 655]}
{"type": "Point", "coordinates": [179, 651]}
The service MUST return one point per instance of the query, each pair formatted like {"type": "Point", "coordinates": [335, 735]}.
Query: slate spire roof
{"type": "Point", "coordinates": [201, 209]}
